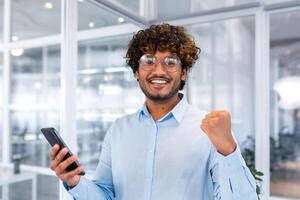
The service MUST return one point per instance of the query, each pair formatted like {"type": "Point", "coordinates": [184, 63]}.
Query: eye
{"type": "Point", "coordinates": [148, 59]}
{"type": "Point", "coordinates": [172, 61]}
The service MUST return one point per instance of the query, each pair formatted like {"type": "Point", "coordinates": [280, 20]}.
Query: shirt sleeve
{"type": "Point", "coordinates": [101, 187]}
{"type": "Point", "coordinates": [232, 180]}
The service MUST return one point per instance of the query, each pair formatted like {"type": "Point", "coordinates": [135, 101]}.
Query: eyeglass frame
{"type": "Point", "coordinates": [152, 66]}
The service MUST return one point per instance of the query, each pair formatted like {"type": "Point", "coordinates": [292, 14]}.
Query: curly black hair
{"type": "Point", "coordinates": [163, 37]}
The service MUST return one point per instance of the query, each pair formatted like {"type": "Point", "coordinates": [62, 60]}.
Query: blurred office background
{"type": "Point", "coordinates": [250, 65]}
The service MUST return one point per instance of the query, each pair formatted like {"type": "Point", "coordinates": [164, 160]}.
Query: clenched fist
{"type": "Point", "coordinates": [217, 126]}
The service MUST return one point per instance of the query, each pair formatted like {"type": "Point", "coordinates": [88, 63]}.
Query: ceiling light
{"type": "Point", "coordinates": [17, 52]}
{"type": "Point", "coordinates": [80, 0]}
{"type": "Point", "coordinates": [91, 24]}
{"type": "Point", "coordinates": [120, 19]}
{"type": "Point", "coordinates": [37, 85]}
{"type": "Point", "coordinates": [48, 5]}
{"type": "Point", "coordinates": [288, 89]}
{"type": "Point", "coordinates": [14, 38]}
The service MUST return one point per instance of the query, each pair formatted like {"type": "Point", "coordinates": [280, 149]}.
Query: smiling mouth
{"type": "Point", "coordinates": [158, 81]}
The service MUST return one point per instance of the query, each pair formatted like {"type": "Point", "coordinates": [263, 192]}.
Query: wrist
{"type": "Point", "coordinates": [227, 150]}
{"type": "Point", "coordinates": [72, 183]}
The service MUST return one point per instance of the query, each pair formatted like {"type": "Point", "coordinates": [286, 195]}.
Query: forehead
{"type": "Point", "coordinates": [160, 54]}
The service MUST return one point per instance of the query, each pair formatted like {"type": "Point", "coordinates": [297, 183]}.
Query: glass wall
{"type": "Point", "coordinates": [103, 79]}
{"type": "Point", "coordinates": [223, 77]}
{"type": "Point", "coordinates": [285, 104]}
{"type": "Point", "coordinates": [91, 16]}
{"type": "Point", "coordinates": [34, 99]}
{"type": "Point", "coordinates": [35, 86]}
{"type": "Point", "coordinates": [132, 5]}
{"type": "Point", "coordinates": [40, 18]}
{"type": "Point", "coordinates": [169, 9]}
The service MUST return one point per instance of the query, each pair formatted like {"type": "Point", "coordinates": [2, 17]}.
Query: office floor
{"type": "Point", "coordinates": [47, 188]}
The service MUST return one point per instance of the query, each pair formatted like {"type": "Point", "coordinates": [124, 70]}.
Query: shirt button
{"type": "Point", "coordinates": [151, 151]}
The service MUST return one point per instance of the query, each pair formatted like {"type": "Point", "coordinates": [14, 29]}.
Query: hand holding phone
{"type": "Point", "coordinates": [63, 162]}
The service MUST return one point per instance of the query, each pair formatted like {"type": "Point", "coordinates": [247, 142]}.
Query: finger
{"type": "Point", "coordinates": [71, 174]}
{"type": "Point", "coordinates": [204, 127]}
{"type": "Point", "coordinates": [59, 157]}
{"type": "Point", "coordinates": [211, 115]}
{"type": "Point", "coordinates": [54, 151]}
{"type": "Point", "coordinates": [63, 165]}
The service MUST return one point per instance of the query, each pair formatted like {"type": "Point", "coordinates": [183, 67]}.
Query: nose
{"type": "Point", "coordinates": [159, 68]}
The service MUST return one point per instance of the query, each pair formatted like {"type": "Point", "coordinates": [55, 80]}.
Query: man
{"type": "Point", "coordinates": [168, 150]}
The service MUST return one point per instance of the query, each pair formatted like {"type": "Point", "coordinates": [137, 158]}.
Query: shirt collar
{"type": "Point", "coordinates": [177, 112]}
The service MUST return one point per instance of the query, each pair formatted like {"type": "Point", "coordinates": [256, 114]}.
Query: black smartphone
{"type": "Point", "coordinates": [52, 135]}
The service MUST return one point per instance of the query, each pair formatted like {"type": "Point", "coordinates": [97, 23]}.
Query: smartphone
{"type": "Point", "coordinates": [52, 135]}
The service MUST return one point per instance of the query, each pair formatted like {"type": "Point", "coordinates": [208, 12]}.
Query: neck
{"type": "Point", "coordinates": [158, 109]}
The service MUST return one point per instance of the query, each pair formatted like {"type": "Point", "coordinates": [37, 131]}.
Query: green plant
{"type": "Point", "coordinates": [249, 156]}
{"type": "Point", "coordinates": [258, 177]}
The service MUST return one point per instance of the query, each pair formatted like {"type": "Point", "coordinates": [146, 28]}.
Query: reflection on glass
{"type": "Point", "coordinates": [91, 16]}
{"type": "Point", "coordinates": [27, 139]}
{"type": "Point", "coordinates": [183, 7]}
{"type": "Point", "coordinates": [35, 76]}
{"type": "Point", "coordinates": [35, 86]}
{"type": "Point", "coordinates": [40, 18]}
{"type": "Point", "coordinates": [106, 90]}
{"type": "Point", "coordinates": [285, 104]}
{"type": "Point", "coordinates": [223, 77]}
{"type": "Point", "coordinates": [133, 5]}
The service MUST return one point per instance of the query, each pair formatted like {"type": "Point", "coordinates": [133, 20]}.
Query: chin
{"type": "Point", "coordinates": [161, 96]}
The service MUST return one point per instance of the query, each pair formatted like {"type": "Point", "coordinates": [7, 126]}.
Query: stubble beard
{"type": "Point", "coordinates": [159, 97]}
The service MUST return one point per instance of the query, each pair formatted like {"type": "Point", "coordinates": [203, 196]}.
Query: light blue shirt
{"type": "Point", "coordinates": [167, 159]}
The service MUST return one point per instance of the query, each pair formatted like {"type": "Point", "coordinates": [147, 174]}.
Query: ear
{"type": "Point", "coordinates": [184, 74]}
{"type": "Point", "coordinates": [136, 75]}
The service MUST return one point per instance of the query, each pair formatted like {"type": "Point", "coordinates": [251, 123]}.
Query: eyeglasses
{"type": "Point", "coordinates": [170, 63]}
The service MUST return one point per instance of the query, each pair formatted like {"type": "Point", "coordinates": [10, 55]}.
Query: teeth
{"type": "Point", "coordinates": [159, 81]}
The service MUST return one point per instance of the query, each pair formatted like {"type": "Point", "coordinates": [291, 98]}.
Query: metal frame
{"type": "Point", "coordinates": [6, 147]}
{"type": "Point", "coordinates": [262, 101]}
{"type": "Point", "coordinates": [69, 40]}
{"type": "Point", "coordinates": [69, 45]}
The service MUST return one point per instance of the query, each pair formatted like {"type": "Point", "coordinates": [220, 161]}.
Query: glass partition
{"type": "Point", "coordinates": [171, 9]}
{"type": "Point", "coordinates": [27, 140]}
{"type": "Point", "coordinates": [40, 18]}
{"type": "Point", "coordinates": [285, 104]}
{"type": "Point", "coordinates": [133, 5]}
{"type": "Point", "coordinates": [223, 77]}
{"type": "Point", "coordinates": [103, 79]}
{"type": "Point", "coordinates": [35, 87]}
{"type": "Point", "coordinates": [35, 77]}
{"type": "Point", "coordinates": [91, 16]}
